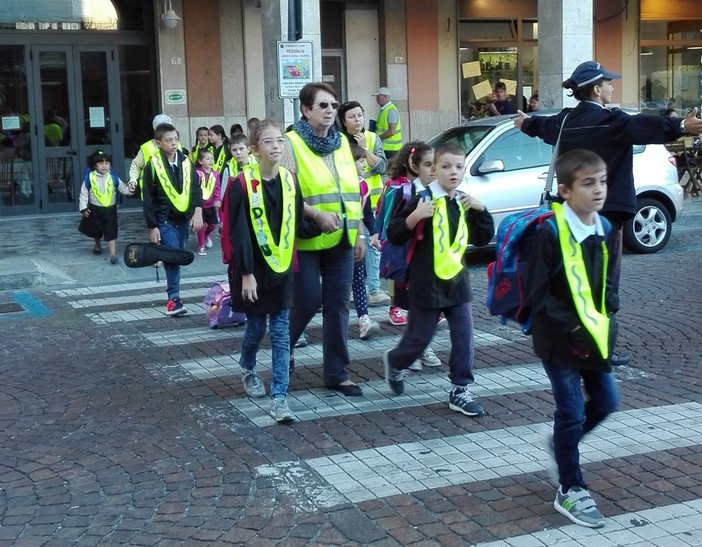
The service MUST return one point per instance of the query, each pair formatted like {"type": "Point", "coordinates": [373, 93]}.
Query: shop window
{"type": "Point", "coordinates": [68, 15]}
{"type": "Point", "coordinates": [670, 66]}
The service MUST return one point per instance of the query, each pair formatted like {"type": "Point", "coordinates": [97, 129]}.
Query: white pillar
{"type": "Point", "coordinates": [566, 39]}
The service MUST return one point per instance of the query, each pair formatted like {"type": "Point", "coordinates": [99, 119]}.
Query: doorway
{"type": "Point", "coordinates": [76, 108]}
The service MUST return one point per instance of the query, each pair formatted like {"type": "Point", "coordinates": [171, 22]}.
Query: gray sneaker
{"type": "Point", "coordinates": [461, 401]}
{"type": "Point", "coordinates": [280, 411]}
{"type": "Point", "coordinates": [429, 358]}
{"type": "Point", "coordinates": [578, 506]}
{"type": "Point", "coordinates": [378, 298]}
{"type": "Point", "coordinates": [394, 378]}
{"type": "Point", "coordinates": [253, 384]}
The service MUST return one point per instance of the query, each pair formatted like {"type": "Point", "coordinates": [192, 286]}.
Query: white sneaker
{"type": "Point", "coordinates": [429, 358]}
{"type": "Point", "coordinates": [367, 327]}
{"type": "Point", "coordinates": [378, 298]}
{"type": "Point", "coordinates": [208, 243]}
{"type": "Point", "coordinates": [416, 366]}
{"type": "Point", "coordinates": [281, 411]}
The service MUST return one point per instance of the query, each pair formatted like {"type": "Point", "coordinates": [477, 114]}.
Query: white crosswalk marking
{"type": "Point", "coordinates": [404, 468]}
{"type": "Point", "coordinates": [409, 467]}
{"type": "Point", "coordinates": [674, 525]}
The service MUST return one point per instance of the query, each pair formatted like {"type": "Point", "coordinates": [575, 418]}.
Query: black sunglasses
{"type": "Point", "coordinates": [324, 105]}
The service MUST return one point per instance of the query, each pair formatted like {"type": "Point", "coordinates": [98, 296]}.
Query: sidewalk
{"type": "Point", "coordinates": [49, 251]}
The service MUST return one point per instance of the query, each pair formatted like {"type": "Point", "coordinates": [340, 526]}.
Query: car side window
{"type": "Point", "coordinates": [519, 151]}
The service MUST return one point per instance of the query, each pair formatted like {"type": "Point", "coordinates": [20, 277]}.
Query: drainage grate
{"type": "Point", "coordinates": [10, 307]}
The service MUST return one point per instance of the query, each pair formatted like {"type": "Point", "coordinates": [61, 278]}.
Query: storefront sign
{"type": "Point", "coordinates": [175, 96]}
{"type": "Point", "coordinates": [294, 68]}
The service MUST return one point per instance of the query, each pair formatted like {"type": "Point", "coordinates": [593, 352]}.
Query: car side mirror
{"type": "Point", "coordinates": [491, 166]}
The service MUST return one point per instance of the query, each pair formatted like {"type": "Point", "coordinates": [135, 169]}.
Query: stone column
{"type": "Point", "coordinates": [566, 39]}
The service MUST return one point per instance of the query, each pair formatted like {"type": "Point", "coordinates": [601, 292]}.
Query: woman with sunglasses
{"type": "Point", "coordinates": [321, 157]}
{"type": "Point", "coordinates": [352, 119]}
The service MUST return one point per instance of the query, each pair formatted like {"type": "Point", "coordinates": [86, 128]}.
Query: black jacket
{"type": "Point", "coordinates": [157, 207]}
{"type": "Point", "coordinates": [552, 309]}
{"type": "Point", "coordinates": [610, 133]}
{"type": "Point", "coordinates": [425, 288]}
{"type": "Point", "coordinates": [274, 290]}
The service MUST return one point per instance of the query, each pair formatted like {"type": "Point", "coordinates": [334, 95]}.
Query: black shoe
{"type": "Point", "coordinates": [292, 364]}
{"type": "Point", "coordinates": [350, 390]}
{"type": "Point", "coordinates": [620, 359]}
{"type": "Point", "coordinates": [395, 379]}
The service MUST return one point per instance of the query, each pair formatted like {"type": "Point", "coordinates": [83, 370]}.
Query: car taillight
{"type": "Point", "coordinates": [673, 159]}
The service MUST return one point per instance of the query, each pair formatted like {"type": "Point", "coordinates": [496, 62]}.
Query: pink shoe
{"type": "Point", "coordinates": [397, 316]}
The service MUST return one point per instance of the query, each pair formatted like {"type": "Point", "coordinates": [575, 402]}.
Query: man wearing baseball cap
{"type": "Point", "coordinates": [388, 127]}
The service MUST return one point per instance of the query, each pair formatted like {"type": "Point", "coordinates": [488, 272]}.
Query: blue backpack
{"type": "Point", "coordinates": [506, 292]}
{"type": "Point", "coordinates": [506, 275]}
{"type": "Point", "coordinates": [395, 259]}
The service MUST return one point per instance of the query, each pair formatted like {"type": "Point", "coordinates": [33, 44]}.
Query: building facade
{"type": "Point", "coordinates": [81, 75]}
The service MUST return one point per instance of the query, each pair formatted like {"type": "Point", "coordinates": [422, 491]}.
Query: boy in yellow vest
{"type": "Point", "coordinates": [172, 203]}
{"type": "Point", "coordinates": [568, 287]}
{"type": "Point", "coordinates": [440, 222]}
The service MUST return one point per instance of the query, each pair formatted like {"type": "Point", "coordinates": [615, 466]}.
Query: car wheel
{"type": "Point", "coordinates": [649, 230]}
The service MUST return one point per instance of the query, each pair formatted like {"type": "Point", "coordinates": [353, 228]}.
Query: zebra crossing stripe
{"type": "Point", "coordinates": [374, 473]}
{"type": "Point", "coordinates": [420, 390]}
{"type": "Point", "coordinates": [98, 291]}
{"type": "Point", "coordinates": [678, 524]}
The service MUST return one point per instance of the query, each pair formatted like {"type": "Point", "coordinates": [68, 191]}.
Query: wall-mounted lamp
{"type": "Point", "coordinates": [169, 17]}
{"type": "Point", "coordinates": [646, 51]}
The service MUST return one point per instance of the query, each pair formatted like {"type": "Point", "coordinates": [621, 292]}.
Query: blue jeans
{"type": "Point", "coordinates": [335, 267]}
{"type": "Point", "coordinates": [574, 417]}
{"type": "Point", "coordinates": [279, 333]}
{"type": "Point", "coordinates": [421, 326]}
{"type": "Point", "coordinates": [372, 267]}
{"type": "Point", "coordinates": [173, 234]}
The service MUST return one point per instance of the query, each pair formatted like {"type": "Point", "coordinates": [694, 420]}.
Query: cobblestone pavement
{"type": "Point", "coordinates": [122, 426]}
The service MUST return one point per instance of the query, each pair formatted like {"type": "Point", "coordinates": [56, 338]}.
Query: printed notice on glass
{"type": "Point", "coordinates": [483, 89]}
{"type": "Point", "coordinates": [294, 68]}
{"type": "Point", "coordinates": [470, 69]}
{"type": "Point", "coordinates": [97, 116]}
{"type": "Point", "coordinates": [10, 123]}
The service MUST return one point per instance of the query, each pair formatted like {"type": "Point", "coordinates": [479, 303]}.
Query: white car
{"type": "Point", "coordinates": [506, 170]}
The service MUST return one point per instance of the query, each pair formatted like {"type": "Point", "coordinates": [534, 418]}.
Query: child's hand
{"type": "Point", "coordinates": [248, 288]}
{"type": "Point", "coordinates": [375, 242]}
{"type": "Point", "coordinates": [131, 187]}
{"type": "Point", "coordinates": [425, 208]}
{"type": "Point", "coordinates": [85, 213]}
{"type": "Point", "coordinates": [196, 222]}
{"type": "Point", "coordinates": [155, 235]}
{"type": "Point", "coordinates": [469, 202]}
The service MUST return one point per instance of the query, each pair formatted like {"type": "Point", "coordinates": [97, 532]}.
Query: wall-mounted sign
{"type": "Point", "coordinates": [294, 68]}
{"type": "Point", "coordinates": [175, 96]}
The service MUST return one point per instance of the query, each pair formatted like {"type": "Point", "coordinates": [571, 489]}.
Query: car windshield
{"type": "Point", "coordinates": [467, 137]}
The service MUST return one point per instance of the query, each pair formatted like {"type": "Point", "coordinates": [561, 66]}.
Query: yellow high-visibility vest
{"type": "Point", "coordinates": [179, 200]}
{"type": "Point", "coordinates": [391, 143]}
{"type": "Point", "coordinates": [448, 255]}
{"type": "Point", "coordinates": [105, 198]}
{"type": "Point", "coordinates": [324, 192]}
{"type": "Point", "coordinates": [595, 321]}
{"type": "Point", "coordinates": [375, 182]}
{"type": "Point", "coordinates": [278, 256]}
{"type": "Point", "coordinates": [207, 184]}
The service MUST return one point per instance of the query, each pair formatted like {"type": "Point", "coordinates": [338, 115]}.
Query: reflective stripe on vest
{"type": "Point", "coordinates": [394, 142]}
{"type": "Point", "coordinates": [220, 159]}
{"type": "Point", "coordinates": [278, 257]}
{"type": "Point", "coordinates": [375, 182]}
{"type": "Point", "coordinates": [181, 201]}
{"type": "Point", "coordinates": [195, 152]}
{"type": "Point", "coordinates": [105, 198]}
{"type": "Point", "coordinates": [596, 323]}
{"type": "Point", "coordinates": [207, 186]}
{"type": "Point", "coordinates": [233, 167]}
{"type": "Point", "coordinates": [325, 192]}
{"type": "Point", "coordinates": [448, 255]}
